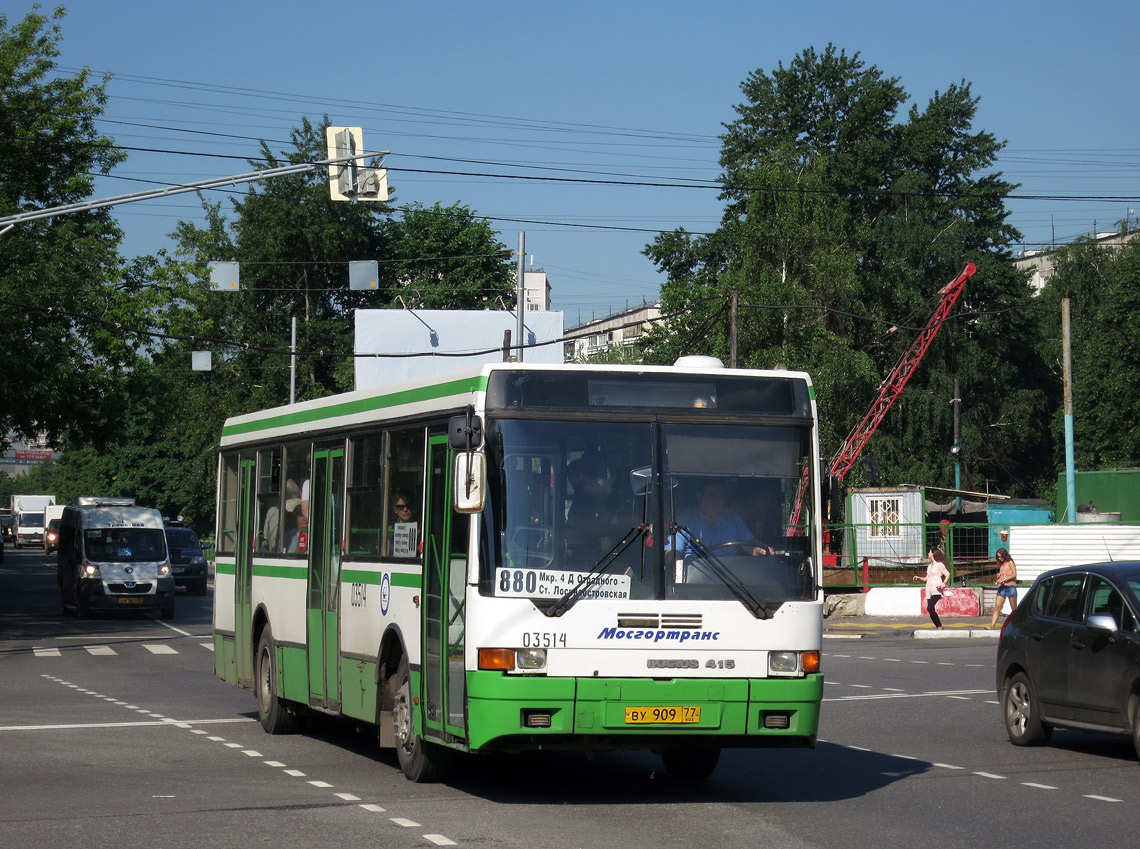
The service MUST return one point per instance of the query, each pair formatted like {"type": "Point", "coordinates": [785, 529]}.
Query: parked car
{"type": "Point", "coordinates": [51, 536]}
{"type": "Point", "coordinates": [1069, 656]}
{"type": "Point", "coordinates": [187, 560]}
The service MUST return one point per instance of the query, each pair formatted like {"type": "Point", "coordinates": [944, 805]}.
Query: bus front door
{"type": "Point", "coordinates": [445, 579]}
{"type": "Point", "coordinates": [326, 546]}
{"type": "Point", "coordinates": [243, 571]}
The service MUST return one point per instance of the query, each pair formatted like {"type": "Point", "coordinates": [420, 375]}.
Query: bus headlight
{"type": "Point", "coordinates": [507, 660]}
{"type": "Point", "coordinates": [789, 663]}
{"type": "Point", "coordinates": [530, 658]}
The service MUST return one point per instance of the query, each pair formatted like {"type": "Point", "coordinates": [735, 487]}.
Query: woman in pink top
{"type": "Point", "coordinates": [937, 574]}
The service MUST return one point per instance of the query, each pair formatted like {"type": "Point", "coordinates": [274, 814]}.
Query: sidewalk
{"type": "Point", "coordinates": [838, 627]}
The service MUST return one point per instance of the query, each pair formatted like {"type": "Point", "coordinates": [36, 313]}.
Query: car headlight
{"type": "Point", "coordinates": [90, 570]}
{"type": "Point", "coordinates": [163, 570]}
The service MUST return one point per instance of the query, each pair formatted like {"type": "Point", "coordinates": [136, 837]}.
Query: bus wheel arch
{"type": "Point", "coordinates": [420, 760]}
{"type": "Point", "coordinates": [277, 715]}
{"type": "Point", "coordinates": [388, 660]}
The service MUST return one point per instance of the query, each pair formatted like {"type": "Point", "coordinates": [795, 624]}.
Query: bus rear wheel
{"type": "Point", "coordinates": [275, 716]}
{"type": "Point", "coordinates": [691, 764]}
{"type": "Point", "coordinates": [420, 761]}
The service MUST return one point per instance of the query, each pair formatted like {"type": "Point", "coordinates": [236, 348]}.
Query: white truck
{"type": "Point", "coordinates": [28, 518]}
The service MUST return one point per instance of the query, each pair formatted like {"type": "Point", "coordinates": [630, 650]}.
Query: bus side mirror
{"type": "Point", "coordinates": [465, 433]}
{"type": "Point", "coordinates": [470, 482]}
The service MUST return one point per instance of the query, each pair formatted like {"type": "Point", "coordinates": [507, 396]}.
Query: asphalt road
{"type": "Point", "coordinates": [114, 732]}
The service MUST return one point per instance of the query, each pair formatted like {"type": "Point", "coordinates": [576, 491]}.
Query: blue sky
{"type": "Point", "coordinates": [596, 91]}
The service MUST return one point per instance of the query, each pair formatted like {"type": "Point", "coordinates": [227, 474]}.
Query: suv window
{"type": "Point", "coordinates": [1060, 597]}
{"type": "Point", "coordinates": [1103, 597]}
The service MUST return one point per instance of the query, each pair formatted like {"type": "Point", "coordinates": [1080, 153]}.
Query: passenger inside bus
{"type": "Point", "coordinates": [590, 519]}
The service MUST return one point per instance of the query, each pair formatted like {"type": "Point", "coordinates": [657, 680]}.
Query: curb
{"type": "Point", "coordinates": [919, 634]}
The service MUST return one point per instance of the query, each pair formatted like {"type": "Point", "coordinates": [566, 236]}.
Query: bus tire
{"type": "Point", "coordinates": [275, 716]}
{"type": "Point", "coordinates": [420, 761]}
{"type": "Point", "coordinates": [691, 764]}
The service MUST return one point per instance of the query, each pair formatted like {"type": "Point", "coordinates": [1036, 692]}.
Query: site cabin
{"type": "Point", "coordinates": [529, 591]}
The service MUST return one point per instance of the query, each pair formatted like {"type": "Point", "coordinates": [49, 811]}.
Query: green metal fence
{"type": "Point", "coordinates": [882, 555]}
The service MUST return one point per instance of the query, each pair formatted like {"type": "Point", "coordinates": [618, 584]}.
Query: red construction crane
{"type": "Point", "coordinates": [890, 389]}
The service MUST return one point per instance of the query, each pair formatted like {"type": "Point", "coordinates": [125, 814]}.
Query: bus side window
{"type": "Point", "coordinates": [405, 484]}
{"type": "Point", "coordinates": [365, 502]}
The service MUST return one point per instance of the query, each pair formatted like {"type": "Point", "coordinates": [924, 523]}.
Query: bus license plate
{"type": "Point", "coordinates": [670, 715]}
{"type": "Point", "coordinates": [130, 601]}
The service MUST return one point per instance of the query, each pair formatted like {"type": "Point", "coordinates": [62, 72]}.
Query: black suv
{"type": "Point", "coordinates": [187, 561]}
{"type": "Point", "coordinates": [1069, 656]}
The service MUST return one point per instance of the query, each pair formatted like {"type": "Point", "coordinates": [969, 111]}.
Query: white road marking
{"type": "Point", "coordinates": [905, 695]}
{"type": "Point", "coordinates": [1102, 798]}
{"type": "Point", "coordinates": [100, 650]}
{"type": "Point", "coordinates": [1038, 786]}
{"type": "Point", "coordinates": [160, 648]}
{"type": "Point", "coordinates": [440, 840]}
{"type": "Point", "coordinates": [376, 809]}
{"type": "Point", "coordinates": [251, 753]}
{"type": "Point", "coordinates": [320, 784]}
{"type": "Point", "coordinates": [948, 766]}
{"type": "Point", "coordinates": [348, 797]}
{"type": "Point", "coordinates": [406, 823]}
{"type": "Point", "coordinates": [989, 775]}
{"type": "Point", "coordinates": [45, 651]}
{"type": "Point", "coordinates": [296, 773]}
{"type": "Point", "coordinates": [275, 764]}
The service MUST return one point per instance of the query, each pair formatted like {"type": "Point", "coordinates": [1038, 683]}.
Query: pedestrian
{"type": "Point", "coordinates": [937, 574]}
{"type": "Point", "coordinates": [1006, 584]}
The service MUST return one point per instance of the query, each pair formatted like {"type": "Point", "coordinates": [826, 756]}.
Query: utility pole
{"type": "Point", "coordinates": [732, 331]}
{"type": "Point", "coordinates": [1067, 371]}
{"type": "Point", "coordinates": [956, 448]}
{"type": "Point", "coordinates": [521, 304]}
{"type": "Point", "coordinates": [293, 364]}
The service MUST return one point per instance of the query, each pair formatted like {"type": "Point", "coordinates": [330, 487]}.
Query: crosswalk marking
{"type": "Point", "coordinates": [108, 651]}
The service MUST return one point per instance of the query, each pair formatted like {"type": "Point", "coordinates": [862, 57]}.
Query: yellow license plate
{"type": "Point", "coordinates": [130, 601]}
{"type": "Point", "coordinates": [666, 715]}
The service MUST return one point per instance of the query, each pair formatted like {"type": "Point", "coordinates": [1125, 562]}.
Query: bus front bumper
{"type": "Point", "coordinates": [519, 713]}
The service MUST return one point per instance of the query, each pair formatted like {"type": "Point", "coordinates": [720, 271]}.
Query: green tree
{"type": "Point", "coordinates": [446, 258]}
{"type": "Point", "coordinates": [842, 222]}
{"type": "Point", "coordinates": [1103, 287]}
{"type": "Point", "coordinates": [63, 297]}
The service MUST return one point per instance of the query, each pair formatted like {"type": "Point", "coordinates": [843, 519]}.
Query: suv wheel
{"type": "Point", "coordinates": [1021, 713]}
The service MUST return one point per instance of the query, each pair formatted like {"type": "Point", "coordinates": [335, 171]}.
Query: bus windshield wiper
{"type": "Point", "coordinates": [727, 577]}
{"type": "Point", "coordinates": [571, 597]}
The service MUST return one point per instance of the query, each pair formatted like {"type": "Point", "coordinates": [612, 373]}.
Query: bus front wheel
{"type": "Point", "coordinates": [275, 717]}
{"type": "Point", "coordinates": [420, 761]}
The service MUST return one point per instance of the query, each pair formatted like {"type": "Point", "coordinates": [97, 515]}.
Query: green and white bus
{"type": "Point", "coordinates": [546, 581]}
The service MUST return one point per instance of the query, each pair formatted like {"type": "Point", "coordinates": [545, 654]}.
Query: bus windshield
{"type": "Point", "coordinates": [646, 510]}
